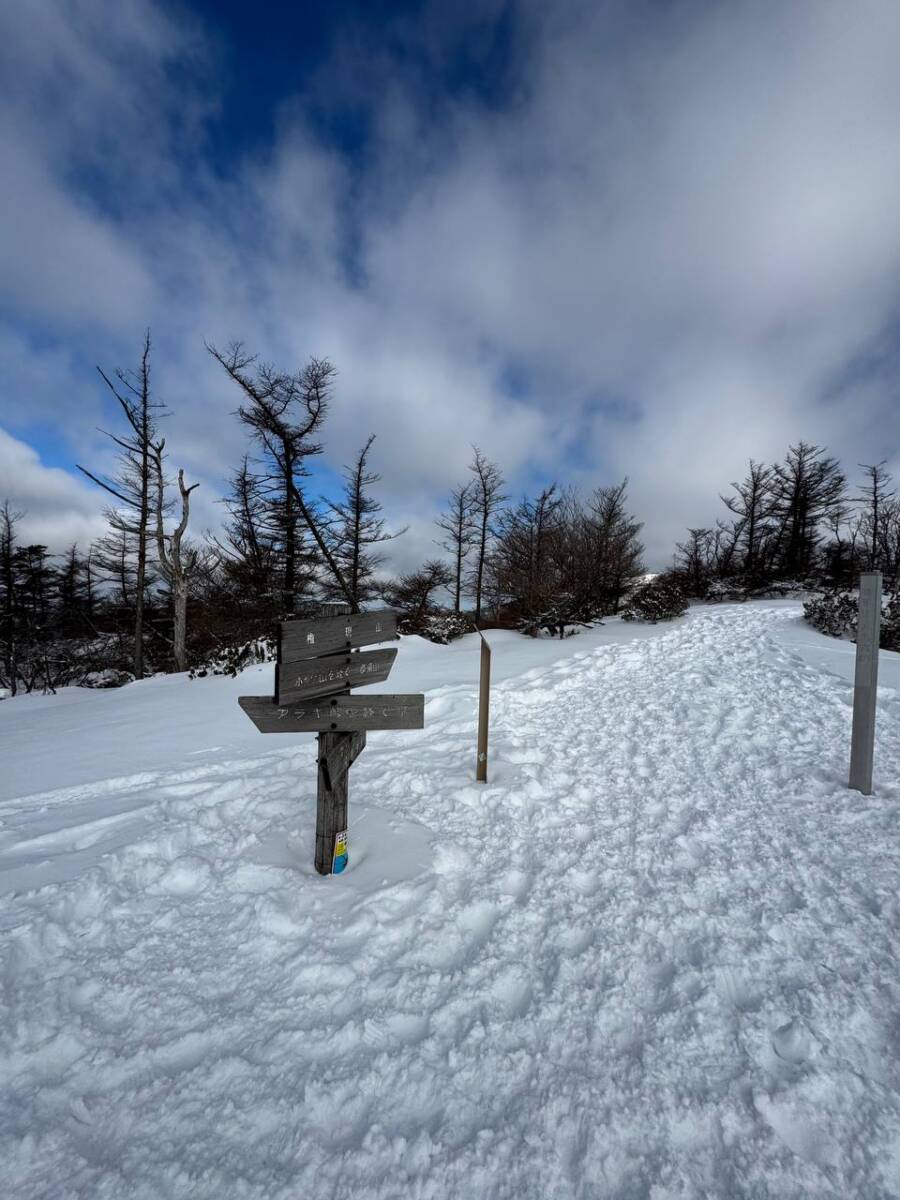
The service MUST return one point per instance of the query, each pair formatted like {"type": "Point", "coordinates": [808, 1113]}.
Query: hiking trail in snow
{"type": "Point", "coordinates": [656, 956]}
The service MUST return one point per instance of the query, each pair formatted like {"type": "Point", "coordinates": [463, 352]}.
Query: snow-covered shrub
{"type": "Point", "coordinates": [776, 588]}
{"type": "Point", "coordinates": [735, 588]}
{"type": "Point", "coordinates": [661, 600]}
{"type": "Point", "coordinates": [107, 677]}
{"type": "Point", "coordinates": [44, 666]}
{"type": "Point", "coordinates": [727, 591]}
{"type": "Point", "coordinates": [890, 624]}
{"type": "Point", "coordinates": [232, 659]}
{"type": "Point", "coordinates": [837, 615]}
{"type": "Point", "coordinates": [562, 617]}
{"type": "Point", "coordinates": [834, 613]}
{"type": "Point", "coordinates": [440, 627]}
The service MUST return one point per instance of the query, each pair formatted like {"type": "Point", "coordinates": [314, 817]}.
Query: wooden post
{"type": "Point", "coordinates": [319, 660]}
{"type": "Point", "coordinates": [868, 636]}
{"type": "Point", "coordinates": [484, 706]}
{"type": "Point", "coordinates": [331, 794]}
{"type": "Point", "coordinates": [331, 803]}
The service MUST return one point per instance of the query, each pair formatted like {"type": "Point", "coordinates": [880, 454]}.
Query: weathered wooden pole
{"type": "Point", "coordinates": [331, 803]}
{"type": "Point", "coordinates": [865, 689]}
{"type": "Point", "coordinates": [331, 793]}
{"type": "Point", "coordinates": [484, 708]}
{"type": "Point", "coordinates": [319, 660]}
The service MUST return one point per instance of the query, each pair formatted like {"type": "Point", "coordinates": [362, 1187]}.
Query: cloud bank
{"type": "Point", "coordinates": [635, 239]}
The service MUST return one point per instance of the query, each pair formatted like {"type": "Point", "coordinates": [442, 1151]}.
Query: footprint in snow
{"type": "Point", "coordinates": [798, 1130]}
{"type": "Point", "coordinates": [575, 940]}
{"type": "Point", "coordinates": [511, 992]}
{"type": "Point", "coordinates": [464, 938]}
{"type": "Point", "coordinates": [736, 989]}
{"type": "Point", "coordinates": [187, 876]}
{"type": "Point", "coordinates": [791, 1042]}
{"type": "Point", "coordinates": [586, 882]}
{"type": "Point", "coordinates": [514, 883]}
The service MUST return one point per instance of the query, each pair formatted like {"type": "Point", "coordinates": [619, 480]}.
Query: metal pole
{"type": "Point", "coordinates": [484, 705]}
{"type": "Point", "coordinates": [865, 689]}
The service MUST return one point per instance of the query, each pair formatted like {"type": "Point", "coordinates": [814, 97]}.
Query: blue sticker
{"type": "Point", "coordinates": [339, 861]}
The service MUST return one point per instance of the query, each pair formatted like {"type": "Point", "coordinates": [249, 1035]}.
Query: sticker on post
{"type": "Point", "coordinates": [340, 853]}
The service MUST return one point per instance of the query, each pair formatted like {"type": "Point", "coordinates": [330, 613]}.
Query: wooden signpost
{"type": "Point", "coordinates": [319, 660]}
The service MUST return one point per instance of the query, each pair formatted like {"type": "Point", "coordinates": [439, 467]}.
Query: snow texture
{"type": "Point", "coordinates": [654, 957]}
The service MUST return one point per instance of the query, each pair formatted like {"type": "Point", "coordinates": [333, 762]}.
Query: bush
{"type": "Point", "coordinates": [890, 624]}
{"type": "Point", "coordinates": [231, 659]}
{"type": "Point", "coordinates": [440, 627]}
{"type": "Point", "coordinates": [727, 591]}
{"type": "Point", "coordinates": [837, 614]}
{"type": "Point", "coordinates": [735, 588]}
{"type": "Point", "coordinates": [834, 613]}
{"type": "Point", "coordinates": [660, 600]}
{"type": "Point", "coordinates": [107, 677]}
{"type": "Point", "coordinates": [562, 617]}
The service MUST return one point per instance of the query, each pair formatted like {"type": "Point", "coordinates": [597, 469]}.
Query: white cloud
{"type": "Point", "coordinates": [688, 209]}
{"type": "Point", "coordinates": [56, 508]}
{"type": "Point", "coordinates": [58, 261]}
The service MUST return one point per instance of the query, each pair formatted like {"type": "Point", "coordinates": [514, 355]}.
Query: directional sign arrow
{"type": "Point", "coordinates": [302, 639]}
{"type": "Point", "coordinates": [341, 713]}
{"type": "Point", "coordinates": [299, 681]}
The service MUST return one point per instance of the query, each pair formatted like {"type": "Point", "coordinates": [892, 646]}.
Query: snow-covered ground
{"type": "Point", "coordinates": [656, 956]}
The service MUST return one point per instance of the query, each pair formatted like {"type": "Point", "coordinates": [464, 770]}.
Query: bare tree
{"type": "Point", "coordinates": [131, 486]}
{"type": "Point", "coordinates": [875, 495]}
{"type": "Point", "coordinates": [558, 560]}
{"type": "Point", "coordinates": [487, 498]}
{"type": "Point", "coordinates": [284, 412]}
{"type": "Point", "coordinates": [113, 556]}
{"type": "Point", "coordinates": [807, 488]}
{"type": "Point", "coordinates": [248, 543]}
{"type": "Point", "coordinates": [75, 594]}
{"type": "Point", "coordinates": [458, 527]}
{"type": "Point", "coordinates": [519, 571]}
{"type": "Point", "coordinates": [752, 504]}
{"type": "Point", "coordinates": [889, 543]}
{"type": "Point", "coordinates": [8, 522]}
{"type": "Point", "coordinates": [175, 559]}
{"type": "Point", "coordinates": [412, 593]}
{"type": "Point", "coordinates": [352, 528]}
{"type": "Point", "coordinates": [615, 552]}
{"type": "Point", "coordinates": [695, 560]}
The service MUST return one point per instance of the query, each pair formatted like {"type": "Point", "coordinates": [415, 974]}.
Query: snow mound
{"type": "Point", "coordinates": [655, 956]}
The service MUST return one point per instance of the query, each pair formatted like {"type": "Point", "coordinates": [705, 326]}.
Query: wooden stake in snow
{"type": "Point", "coordinates": [862, 750]}
{"type": "Point", "coordinates": [484, 708]}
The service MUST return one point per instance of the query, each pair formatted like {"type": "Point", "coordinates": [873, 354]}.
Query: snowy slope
{"type": "Point", "coordinates": [83, 736]}
{"type": "Point", "coordinates": [655, 957]}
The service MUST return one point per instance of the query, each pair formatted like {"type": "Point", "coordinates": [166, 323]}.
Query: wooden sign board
{"type": "Point", "coordinates": [340, 714]}
{"type": "Point", "coordinates": [313, 638]}
{"type": "Point", "coordinates": [319, 660]}
{"type": "Point", "coordinates": [299, 681]}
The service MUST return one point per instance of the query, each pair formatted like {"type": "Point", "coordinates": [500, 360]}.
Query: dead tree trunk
{"type": "Point", "coordinates": [172, 560]}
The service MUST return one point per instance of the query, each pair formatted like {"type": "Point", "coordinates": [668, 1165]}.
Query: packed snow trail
{"type": "Point", "coordinates": [656, 956]}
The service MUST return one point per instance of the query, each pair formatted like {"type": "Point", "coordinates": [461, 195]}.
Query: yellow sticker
{"type": "Point", "coordinates": [340, 852]}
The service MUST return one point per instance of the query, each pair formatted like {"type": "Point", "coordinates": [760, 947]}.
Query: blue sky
{"type": "Point", "coordinates": [599, 239]}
